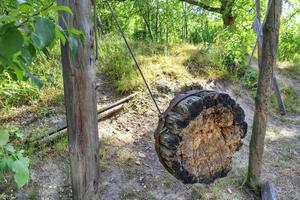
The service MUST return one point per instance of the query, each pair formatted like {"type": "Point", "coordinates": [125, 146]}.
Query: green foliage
{"type": "Point", "coordinates": [118, 66]}
{"type": "Point", "coordinates": [235, 45]}
{"type": "Point", "coordinates": [15, 93]}
{"type": "Point", "coordinates": [27, 30]}
{"type": "Point", "coordinates": [25, 93]}
{"type": "Point", "coordinates": [207, 63]}
{"type": "Point", "coordinates": [205, 34]}
{"type": "Point", "coordinates": [290, 97]}
{"type": "Point", "coordinates": [292, 70]}
{"type": "Point", "coordinates": [289, 48]}
{"type": "Point", "coordinates": [12, 159]}
{"type": "Point", "coordinates": [250, 80]}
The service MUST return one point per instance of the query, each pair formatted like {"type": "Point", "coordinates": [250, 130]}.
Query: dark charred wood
{"type": "Point", "coordinates": [198, 137]}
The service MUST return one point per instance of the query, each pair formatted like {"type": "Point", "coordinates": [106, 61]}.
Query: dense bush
{"type": "Point", "coordinates": [205, 34]}
{"type": "Point", "coordinates": [289, 47]}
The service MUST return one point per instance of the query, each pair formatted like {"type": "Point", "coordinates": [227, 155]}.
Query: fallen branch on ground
{"type": "Point", "coordinates": [103, 114]}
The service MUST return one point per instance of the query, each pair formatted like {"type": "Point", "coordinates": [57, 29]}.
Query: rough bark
{"type": "Point", "coordinates": [80, 100]}
{"type": "Point", "coordinates": [259, 46]}
{"type": "Point", "coordinates": [226, 10]}
{"type": "Point", "coordinates": [200, 135]}
{"type": "Point", "coordinates": [268, 60]}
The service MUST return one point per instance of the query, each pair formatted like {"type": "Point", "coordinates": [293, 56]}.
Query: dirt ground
{"type": "Point", "coordinates": [130, 168]}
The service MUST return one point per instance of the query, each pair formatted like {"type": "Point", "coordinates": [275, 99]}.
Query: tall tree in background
{"type": "Point", "coordinates": [266, 64]}
{"type": "Point", "coordinates": [80, 100]}
{"type": "Point", "coordinates": [225, 9]}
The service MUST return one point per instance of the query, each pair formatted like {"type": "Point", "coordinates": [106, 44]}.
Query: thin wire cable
{"type": "Point", "coordinates": [132, 55]}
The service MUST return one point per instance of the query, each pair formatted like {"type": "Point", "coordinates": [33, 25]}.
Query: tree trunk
{"type": "Point", "coordinates": [80, 100]}
{"type": "Point", "coordinates": [227, 12]}
{"type": "Point", "coordinates": [228, 20]}
{"type": "Point", "coordinates": [157, 21]}
{"type": "Point", "coordinates": [268, 60]}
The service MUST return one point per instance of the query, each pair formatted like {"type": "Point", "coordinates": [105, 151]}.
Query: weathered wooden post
{"type": "Point", "coordinates": [80, 100]}
{"type": "Point", "coordinates": [266, 64]}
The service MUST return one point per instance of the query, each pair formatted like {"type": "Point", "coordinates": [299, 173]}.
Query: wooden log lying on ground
{"type": "Point", "coordinates": [62, 132]}
{"type": "Point", "coordinates": [103, 113]}
{"type": "Point", "coordinates": [199, 136]}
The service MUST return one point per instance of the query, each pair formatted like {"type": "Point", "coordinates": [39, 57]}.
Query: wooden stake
{"type": "Point", "coordinates": [80, 100]}
{"type": "Point", "coordinates": [263, 95]}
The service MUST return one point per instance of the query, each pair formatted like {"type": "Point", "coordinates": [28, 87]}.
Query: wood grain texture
{"type": "Point", "coordinates": [80, 100]}
{"type": "Point", "coordinates": [263, 94]}
{"type": "Point", "coordinates": [200, 135]}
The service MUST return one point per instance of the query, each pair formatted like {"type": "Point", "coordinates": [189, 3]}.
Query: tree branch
{"type": "Point", "coordinates": [203, 5]}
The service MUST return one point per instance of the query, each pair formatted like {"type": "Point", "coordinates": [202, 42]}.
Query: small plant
{"type": "Point", "coordinates": [12, 159]}
{"type": "Point", "coordinates": [290, 97]}
{"type": "Point", "coordinates": [250, 79]}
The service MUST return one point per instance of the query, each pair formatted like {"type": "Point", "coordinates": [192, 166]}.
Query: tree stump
{"type": "Point", "coordinates": [198, 135]}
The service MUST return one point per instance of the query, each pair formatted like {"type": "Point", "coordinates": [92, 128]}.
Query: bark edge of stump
{"type": "Point", "coordinates": [198, 134]}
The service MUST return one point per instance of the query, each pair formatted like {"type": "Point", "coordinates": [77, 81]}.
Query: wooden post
{"type": "Point", "coordinates": [259, 46]}
{"type": "Point", "coordinates": [80, 100]}
{"type": "Point", "coordinates": [278, 97]}
{"type": "Point", "coordinates": [268, 61]}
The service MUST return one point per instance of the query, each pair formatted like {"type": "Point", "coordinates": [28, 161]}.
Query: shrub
{"type": "Point", "coordinates": [117, 65]}
{"type": "Point", "coordinates": [12, 159]}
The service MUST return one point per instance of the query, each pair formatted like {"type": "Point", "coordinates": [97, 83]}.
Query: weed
{"type": "Point", "coordinates": [206, 63]}
{"type": "Point", "coordinates": [130, 194]}
{"type": "Point", "coordinates": [291, 70]}
{"type": "Point", "coordinates": [196, 193]}
{"type": "Point", "coordinates": [250, 80]}
{"type": "Point", "coordinates": [290, 97]}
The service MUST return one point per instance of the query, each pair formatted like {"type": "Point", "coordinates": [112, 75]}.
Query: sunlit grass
{"type": "Point", "coordinates": [291, 70]}
{"type": "Point", "coordinates": [290, 98]}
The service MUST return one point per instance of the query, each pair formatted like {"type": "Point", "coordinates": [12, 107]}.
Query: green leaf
{"type": "Point", "coordinates": [4, 137]}
{"type": "Point", "coordinates": [28, 53]}
{"type": "Point", "coordinates": [20, 167]}
{"type": "Point", "coordinates": [73, 44]}
{"type": "Point", "coordinates": [10, 43]}
{"type": "Point", "coordinates": [44, 33]}
{"type": "Point", "coordinates": [61, 8]}
{"type": "Point", "coordinates": [60, 34]}
{"type": "Point", "coordinates": [19, 70]}
{"type": "Point", "coordinates": [7, 162]}
{"type": "Point", "coordinates": [7, 18]}
{"type": "Point", "coordinates": [36, 81]}
{"type": "Point", "coordinates": [74, 31]}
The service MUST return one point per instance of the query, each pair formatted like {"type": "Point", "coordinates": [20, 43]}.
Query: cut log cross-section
{"type": "Point", "coordinates": [198, 135]}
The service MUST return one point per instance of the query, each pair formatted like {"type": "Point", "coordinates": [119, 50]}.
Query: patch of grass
{"type": "Point", "coordinates": [207, 63]}
{"type": "Point", "coordinates": [130, 173]}
{"type": "Point", "coordinates": [165, 180]}
{"type": "Point", "coordinates": [251, 78]}
{"type": "Point", "coordinates": [291, 70]}
{"type": "Point", "coordinates": [130, 194]}
{"type": "Point", "coordinates": [15, 94]}
{"type": "Point", "coordinates": [182, 63]}
{"type": "Point", "coordinates": [61, 145]}
{"type": "Point", "coordinates": [196, 193]}
{"type": "Point", "coordinates": [290, 98]}
{"type": "Point", "coordinates": [33, 193]}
